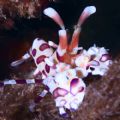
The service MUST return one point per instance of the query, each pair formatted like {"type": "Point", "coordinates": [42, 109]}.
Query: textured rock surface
{"type": "Point", "coordinates": [10, 10]}
{"type": "Point", "coordinates": [21, 8]}
{"type": "Point", "coordinates": [102, 100]}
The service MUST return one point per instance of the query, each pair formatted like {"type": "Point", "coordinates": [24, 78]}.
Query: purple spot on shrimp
{"type": "Point", "coordinates": [34, 52]}
{"type": "Point", "coordinates": [47, 88]}
{"type": "Point", "coordinates": [47, 68]}
{"type": "Point", "coordinates": [81, 89]}
{"type": "Point", "coordinates": [74, 88]}
{"type": "Point", "coordinates": [38, 81]}
{"type": "Point", "coordinates": [44, 46]}
{"type": "Point", "coordinates": [74, 82]}
{"type": "Point", "coordinates": [40, 59]}
{"type": "Point", "coordinates": [105, 57]}
{"type": "Point", "coordinates": [21, 81]}
{"type": "Point", "coordinates": [59, 92]}
{"type": "Point", "coordinates": [87, 67]}
{"type": "Point", "coordinates": [92, 57]}
{"type": "Point", "coordinates": [44, 73]}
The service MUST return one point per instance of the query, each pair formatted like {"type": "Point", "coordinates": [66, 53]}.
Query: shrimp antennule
{"type": "Point", "coordinates": [75, 38]}
{"type": "Point", "coordinates": [85, 14]}
{"type": "Point", "coordinates": [62, 47]}
{"type": "Point", "coordinates": [50, 12]}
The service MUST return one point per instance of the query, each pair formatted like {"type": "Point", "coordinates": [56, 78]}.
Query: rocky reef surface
{"type": "Point", "coordinates": [102, 99]}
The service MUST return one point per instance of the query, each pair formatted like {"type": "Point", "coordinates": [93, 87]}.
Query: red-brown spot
{"type": "Point", "coordinates": [43, 72]}
{"type": "Point", "coordinates": [47, 68]}
{"type": "Point", "coordinates": [59, 57]}
{"type": "Point", "coordinates": [34, 52]}
{"type": "Point", "coordinates": [44, 46]}
{"type": "Point", "coordinates": [40, 59]}
{"type": "Point", "coordinates": [92, 57]}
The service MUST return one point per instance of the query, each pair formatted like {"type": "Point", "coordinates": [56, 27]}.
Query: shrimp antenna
{"type": "Point", "coordinates": [50, 12]}
{"type": "Point", "coordinates": [89, 10]}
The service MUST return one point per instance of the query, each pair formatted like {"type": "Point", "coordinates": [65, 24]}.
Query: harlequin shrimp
{"type": "Point", "coordinates": [61, 67]}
